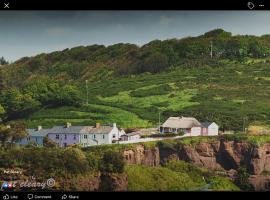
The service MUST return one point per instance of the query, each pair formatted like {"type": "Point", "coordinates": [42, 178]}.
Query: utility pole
{"type": "Point", "coordinates": [244, 124]}
{"type": "Point", "coordinates": [159, 122]}
{"type": "Point", "coordinates": [86, 86]}
{"type": "Point", "coordinates": [211, 51]}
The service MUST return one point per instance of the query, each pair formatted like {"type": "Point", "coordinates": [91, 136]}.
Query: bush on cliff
{"type": "Point", "coordinates": [112, 162]}
{"type": "Point", "coordinates": [242, 179]}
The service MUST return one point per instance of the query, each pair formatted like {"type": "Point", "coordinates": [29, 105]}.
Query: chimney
{"type": "Point", "coordinates": [39, 128]}
{"type": "Point", "coordinates": [68, 125]}
{"type": "Point", "coordinates": [8, 126]}
{"type": "Point", "coordinates": [97, 125]}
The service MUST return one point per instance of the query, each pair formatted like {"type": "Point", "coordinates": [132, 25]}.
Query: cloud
{"type": "Point", "coordinates": [58, 31]}
{"type": "Point", "coordinates": [165, 20]}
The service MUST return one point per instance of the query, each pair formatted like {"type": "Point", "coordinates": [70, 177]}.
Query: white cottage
{"type": "Point", "coordinates": [190, 126]}
{"type": "Point", "coordinates": [101, 135]}
{"type": "Point", "coordinates": [209, 128]}
{"type": "Point", "coordinates": [84, 135]}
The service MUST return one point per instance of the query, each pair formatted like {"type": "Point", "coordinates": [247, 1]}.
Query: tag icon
{"type": "Point", "coordinates": [250, 5]}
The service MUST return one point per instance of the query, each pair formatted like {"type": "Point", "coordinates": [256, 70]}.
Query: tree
{"type": "Point", "coordinates": [48, 142]}
{"type": "Point", "coordinates": [74, 160]}
{"type": "Point", "coordinates": [113, 162]}
{"type": "Point", "coordinates": [51, 93]}
{"type": "Point", "coordinates": [154, 63]}
{"type": "Point", "coordinates": [257, 49]}
{"type": "Point", "coordinates": [3, 61]}
{"type": "Point", "coordinates": [2, 112]}
{"type": "Point", "coordinates": [17, 104]}
{"type": "Point", "coordinates": [17, 131]}
{"type": "Point", "coordinates": [14, 132]}
{"type": "Point", "coordinates": [4, 134]}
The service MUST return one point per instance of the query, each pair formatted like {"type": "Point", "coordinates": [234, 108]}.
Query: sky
{"type": "Point", "coordinates": [28, 33]}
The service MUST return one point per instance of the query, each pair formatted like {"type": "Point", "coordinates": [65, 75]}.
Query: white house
{"type": "Point", "coordinates": [84, 135]}
{"type": "Point", "coordinates": [190, 126]}
{"type": "Point", "coordinates": [209, 128]}
{"type": "Point", "coordinates": [130, 136]}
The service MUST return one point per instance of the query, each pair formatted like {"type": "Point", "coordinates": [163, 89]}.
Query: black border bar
{"type": "Point", "coordinates": [133, 5]}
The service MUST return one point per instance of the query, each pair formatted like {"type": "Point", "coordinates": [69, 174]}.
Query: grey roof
{"type": "Point", "coordinates": [100, 130]}
{"type": "Point", "coordinates": [181, 122]}
{"type": "Point", "coordinates": [68, 130]}
{"type": "Point", "coordinates": [80, 129]}
{"type": "Point", "coordinates": [36, 133]}
{"type": "Point", "coordinates": [206, 124]}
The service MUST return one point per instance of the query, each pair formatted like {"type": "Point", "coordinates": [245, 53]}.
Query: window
{"type": "Point", "coordinates": [28, 139]}
{"type": "Point", "coordinates": [36, 140]}
{"type": "Point", "coordinates": [85, 136]}
{"type": "Point", "coordinates": [74, 137]}
{"type": "Point", "coordinates": [94, 136]}
{"type": "Point", "coordinates": [65, 136]}
{"type": "Point", "coordinates": [57, 137]}
{"type": "Point", "coordinates": [112, 136]}
{"type": "Point", "coordinates": [103, 136]}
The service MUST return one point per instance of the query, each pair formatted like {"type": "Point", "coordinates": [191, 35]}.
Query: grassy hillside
{"type": "Point", "coordinates": [131, 85]}
{"type": "Point", "coordinates": [225, 94]}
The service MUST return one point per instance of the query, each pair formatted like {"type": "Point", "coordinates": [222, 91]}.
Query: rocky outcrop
{"type": "Point", "coordinates": [228, 155]}
{"type": "Point", "coordinates": [260, 182]}
{"type": "Point", "coordinates": [212, 155]}
{"type": "Point", "coordinates": [203, 154]}
{"type": "Point", "coordinates": [224, 155]}
{"type": "Point", "coordinates": [142, 155]}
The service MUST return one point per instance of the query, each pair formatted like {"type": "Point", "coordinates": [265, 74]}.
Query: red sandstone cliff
{"type": "Point", "coordinates": [226, 155]}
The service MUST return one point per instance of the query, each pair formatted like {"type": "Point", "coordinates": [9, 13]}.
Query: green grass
{"type": "Point", "coordinates": [258, 140]}
{"type": "Point", "coordinates": [221, 184]}
{"type": "Point", "coordinates": [142, 178]}
{"type": "Point", "coordinates": [175, 176]}
{"type": "Point", "coordinates": [224, 94]}
{"type": "Point", "coordinates": [175, 100]}
{"type": "Point", "coordinates": [87, 115]}
{"type": "Point", "coordinates": [198, 139]}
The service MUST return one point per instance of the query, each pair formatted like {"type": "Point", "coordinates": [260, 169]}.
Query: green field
{"type": "Point", "coordinates": [225, 94]}
{"type": "Point", "coordinates": [87, 115]}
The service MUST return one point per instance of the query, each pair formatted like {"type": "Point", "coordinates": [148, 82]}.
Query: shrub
{"type": "Point", "coordinates": [167, 134]}
{"type": "Point", "coordinates": [221, 184]}
{"type": "Point", "coordinates": [94, 161]}
{"type": "Point", "coordinates": [112, 162]}
{"type": "Point", "coordinates": [74, 160]}
{"type": "Point", "coordinates": [237, 137]}
{"type": "Point", "coordinates": [242, 179]}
